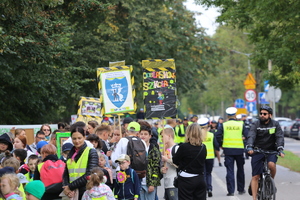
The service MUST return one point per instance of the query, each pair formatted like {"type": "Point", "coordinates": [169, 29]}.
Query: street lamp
{"type": "Point", "coordinates": [246, 54]}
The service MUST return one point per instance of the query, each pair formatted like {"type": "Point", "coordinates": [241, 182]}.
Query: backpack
{"type": "Point", "coordinates": [138, 155]}
{"type": "Point", "coordinates": [52, 172]}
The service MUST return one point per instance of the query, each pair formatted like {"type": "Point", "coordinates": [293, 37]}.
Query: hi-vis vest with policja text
{"type": "Point", "coordinates": [180, 139]}
{"type": "Point", "coordinates": [78, 169]}
{"type": "Point", "coordinates": [209, 143]}
{"type": "Point", "coordinates": [233, 133]}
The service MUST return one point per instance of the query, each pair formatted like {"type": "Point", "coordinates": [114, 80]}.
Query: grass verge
{"type": "Point", "coordinates": [290, 161]}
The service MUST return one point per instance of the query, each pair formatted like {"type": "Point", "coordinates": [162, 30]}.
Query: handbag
{"type": "Point", "coordinates": [175, 181]}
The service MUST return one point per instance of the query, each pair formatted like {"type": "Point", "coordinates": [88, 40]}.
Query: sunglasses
{"type": "Point", "coordinates": [46, 129]}
{"type": "Point", "coordinates": [263, 114]}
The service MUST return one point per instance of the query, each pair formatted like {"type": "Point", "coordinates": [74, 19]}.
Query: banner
{"type": "Point", "coordinates": [89, 108]}
{"type": "Point", "coordinates": [115, 88]}
{"type": "Point", "coordinates": [61, 137]}
{"type": "Point", "coordinates": [159, 86]}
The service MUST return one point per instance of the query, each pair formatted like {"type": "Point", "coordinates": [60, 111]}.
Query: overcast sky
{"type": "Point", "coordinates": [207, 18]}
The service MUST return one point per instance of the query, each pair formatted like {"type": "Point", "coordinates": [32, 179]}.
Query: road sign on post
{"type": "Point", "coordinates": [239, 103]}
{"type": "Point", "coordinates": [262, 98]}
{"type": "Point", "coordinates": [251, 106]}
{"type": "Point", "coordinates": [250, 95]}
{"type": "Point", "coordinates": [250, 82]}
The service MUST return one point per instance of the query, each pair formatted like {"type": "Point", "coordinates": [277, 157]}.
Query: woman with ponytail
{"type": "Point", "coordinates": [95, 188]}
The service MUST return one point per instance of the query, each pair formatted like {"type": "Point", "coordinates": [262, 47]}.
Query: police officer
{"type": "Point", "coordinates": [180, 130]}
{"type": "Point", "coordinates": [212, 146]}
{"type": "Point", "coordinates": [232, 133]}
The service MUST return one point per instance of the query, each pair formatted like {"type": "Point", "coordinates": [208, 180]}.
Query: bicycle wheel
{"type": "Point", "coordinates": [269, 189]}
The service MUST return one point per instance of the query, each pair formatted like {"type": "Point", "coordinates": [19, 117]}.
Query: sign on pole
{"type": "Point", "coordinates": [159, 86]}
{"type": "Point", "coordinates": [239, 103]}
{"type": "Point", "coordinates": [251, 106]}
{"type": "Point", "coordinates": [115, 88]}
{"type": "Point", "coordinates": [262, 98]}
{"type": "Point", "coordinates": [250, 95]}
{"type": "Point", "coordinates": [89, 108]}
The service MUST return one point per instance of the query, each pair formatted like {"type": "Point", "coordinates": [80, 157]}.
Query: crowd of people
{"type": "Point", "coordinates": [128, 160]}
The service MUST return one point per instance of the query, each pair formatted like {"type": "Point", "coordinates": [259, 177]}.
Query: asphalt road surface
{"type": "Point", "coordinates": [287, 182]}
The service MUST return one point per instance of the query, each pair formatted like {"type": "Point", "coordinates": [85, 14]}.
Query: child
{"type": "Point", "coordinates": [169, 170]}
{"type": "Point", "coordinates": [128, 183]}
{"type": "Point", "coordinates": [9, 187]}
{"type": "Point", "coordinates": [32, 163]}
{"type": "Point", "coordinates": [102, 164]}
{"type": "Point", "coordinates": [152, 179]}
{"type": "Point", "coordinates": [34, 190]}
{"type": "Point", "coordinates": [20, 155]}
{"type": "Point", "coordinates": [96, 188]}
{"type": "Point", "coordinates": [65, 149]}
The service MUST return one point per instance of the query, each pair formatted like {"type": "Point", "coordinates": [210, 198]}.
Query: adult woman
{"type": "Point", "coordinates": [50, 176]}
{"type": "Point", "coordinates": [47, 130]}
{"type": "Point", "coordinates": [190, 159]}
{"type": "Point", "coordinates": [91, 126]}
{"type": "Point", "coordinates": [20, 142]}
{"type": "Point", "coordinates": [80, 161]}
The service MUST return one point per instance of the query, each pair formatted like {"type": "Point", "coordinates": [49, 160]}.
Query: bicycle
{"type": "Point", "coordinates": [266, 184]}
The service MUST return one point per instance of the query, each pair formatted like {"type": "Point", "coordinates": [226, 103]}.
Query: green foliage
{"type": "Point", "coordinates": [50, 49]}
{"type": "Point", "coordinates": [273, 29]}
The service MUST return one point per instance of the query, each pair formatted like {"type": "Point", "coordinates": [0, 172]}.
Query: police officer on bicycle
{"type": "Point", "coordinates": [265, 134]}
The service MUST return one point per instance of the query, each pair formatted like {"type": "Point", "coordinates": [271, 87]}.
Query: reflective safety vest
{"type": "Point", "coordinates": [28, 177]}
{"type": "Point", "coordinates": [100, 198]}
{"type": "Point", "coordinates": [233, 134]}
{"type": "Point", "coordinates": [78, 169]}
{"type": "Point", "coordinates": [160, 142]}
{"type": "Point", "coordinates": [180, 139]}
{"type": "Point", "coordinates": [209, 143]}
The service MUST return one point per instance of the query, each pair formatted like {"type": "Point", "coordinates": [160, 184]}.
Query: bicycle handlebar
{"type": "Point", "coordinates": [257, 150]}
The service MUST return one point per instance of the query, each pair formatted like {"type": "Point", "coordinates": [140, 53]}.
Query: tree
{"type": "Point", "coordinates": [272, 28]}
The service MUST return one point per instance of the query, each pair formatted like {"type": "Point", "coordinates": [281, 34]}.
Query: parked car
{"type": "Point", "coordinates": [295, 130]}
{"type": "Point", "coordinates": [279, 119]}
{"type": "Point", "coordinates": [286, 127]}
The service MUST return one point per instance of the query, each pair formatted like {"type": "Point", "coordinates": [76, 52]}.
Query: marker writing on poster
{"type": "Point", "coordinates": [159, 74]}
{"type": "Point", "coordinates": [157, 84]}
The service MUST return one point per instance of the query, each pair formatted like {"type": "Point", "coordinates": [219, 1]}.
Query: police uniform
{"type": "Point", "coordinates": [180, 132]}
{"type": "Point", "coordinates": [232, 133]}
{"type": "Point", "coordinates": [211, 145]}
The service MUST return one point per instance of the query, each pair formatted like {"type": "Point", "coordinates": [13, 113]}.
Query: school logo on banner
{"type": "Point", "coordinates": [117, 90]}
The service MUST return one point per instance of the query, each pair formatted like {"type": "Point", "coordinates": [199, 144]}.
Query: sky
{"type": "Point", "coordinates": [207, 18]}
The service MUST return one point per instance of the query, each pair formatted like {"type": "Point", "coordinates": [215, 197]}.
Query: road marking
{"type": "Point", "coordinates": [222, 185]}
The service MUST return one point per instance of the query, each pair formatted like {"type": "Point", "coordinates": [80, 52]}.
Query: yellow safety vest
{"type": "Point", "coordinates": [100, 198]}
{"type": "Point", "coordinates": [180, 139]}
{"type": "Point", "coordinates": [21, 188]}
{"type": "Point", "coordinates": [233, 134]}
{"type": "Point", "coordinates": [209, 143]}
{"type": "Point", "coordinates": [78, 169]}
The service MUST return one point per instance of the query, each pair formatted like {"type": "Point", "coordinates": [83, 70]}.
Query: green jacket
{"type": "Point", "coordinates": [153, 169]}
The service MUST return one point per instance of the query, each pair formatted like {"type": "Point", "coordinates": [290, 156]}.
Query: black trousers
{"type": "Point", "coordinates": [192, 188]}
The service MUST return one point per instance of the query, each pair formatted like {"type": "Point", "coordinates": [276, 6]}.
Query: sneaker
{"type": "Point", "coordinates": [220, 164]}
{"type": "Point", "coordinates": [230, 194]}
{"type": "Point", "coordinates": [243, 192]}
{"type": "Point", "coordinates": [209, 193]}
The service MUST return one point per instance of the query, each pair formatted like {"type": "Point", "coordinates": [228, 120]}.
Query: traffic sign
{"type": "Point", "coordinates": [250, 95]}
{"type": "Point", "coordinates": [239, 103]}
{"type": "Point", "coordinates": [262, 98]}
{"type": "Point", "coordinates": [273, 94]}
{"type": "Point", "coordinates": [251, 106]}
{"type": "Point", "coordinates": [266, 86]}
{"type": "Point", "coordinates": [250, 82]}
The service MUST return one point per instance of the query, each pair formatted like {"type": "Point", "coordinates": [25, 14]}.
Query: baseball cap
{"type": "Point", "coordinates": [40, 144]}
{"type": "Point", "coordinates": [185, 118]}
{"type": "Point", "coordinates": [127, 120]}
{"type": "Point", "coordinates": [134, 126]}
{"type": "Point", "coordinates": [67, 147]}
{"type": "Point", "coordinates": [123, 157]}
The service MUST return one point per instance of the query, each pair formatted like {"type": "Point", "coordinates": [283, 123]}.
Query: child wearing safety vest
{"type": "Point", "coordinates": [96, 189]}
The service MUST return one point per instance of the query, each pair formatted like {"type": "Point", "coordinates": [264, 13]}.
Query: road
{"type": "Point", "coordinates": [287, 182]}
